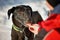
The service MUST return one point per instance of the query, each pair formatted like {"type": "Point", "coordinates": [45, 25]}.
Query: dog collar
{"type": "Point", "coordinates": [17, 29]}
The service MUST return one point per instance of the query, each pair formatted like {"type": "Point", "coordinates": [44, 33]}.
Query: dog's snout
{"type": "Point", "coordinates": [29, 21]}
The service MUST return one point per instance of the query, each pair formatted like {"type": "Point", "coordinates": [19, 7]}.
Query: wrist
{"type": "Point", "coordinates": [39, 28]}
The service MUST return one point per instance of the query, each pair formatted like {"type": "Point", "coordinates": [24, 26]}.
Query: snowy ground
{"type": "Point", "coordinates": [5, 28]}
{"type": "Point", "coordinates": [5, 35]}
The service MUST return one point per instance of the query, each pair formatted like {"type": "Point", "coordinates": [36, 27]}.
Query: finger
{"type": "Point", "coordinates": [31, 30]}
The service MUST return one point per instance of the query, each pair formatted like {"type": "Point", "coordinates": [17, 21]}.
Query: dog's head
{"type": "Point", "coordinates": [21, 13]}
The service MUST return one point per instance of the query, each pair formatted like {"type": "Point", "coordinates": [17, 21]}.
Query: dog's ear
{"type": "Point", "coordinates": [29, 10]}
{"type": "Point", "coordinates": [10, 11]}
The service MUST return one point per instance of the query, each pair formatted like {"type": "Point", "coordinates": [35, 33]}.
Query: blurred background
{"type": "Point", "coordinates": [6, 25]}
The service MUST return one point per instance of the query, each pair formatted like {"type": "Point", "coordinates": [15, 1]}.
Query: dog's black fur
{"type": "Point", "coordinates": [25, 15]}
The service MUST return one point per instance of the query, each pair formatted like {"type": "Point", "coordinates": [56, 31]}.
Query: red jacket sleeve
{"type": "Point", "coordinates": [52, 22]}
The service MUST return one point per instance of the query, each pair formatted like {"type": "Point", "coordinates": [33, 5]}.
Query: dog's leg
{"type": "Point", "coordinates": [14, 35]}
{"type": "Point", "coordinates": [21, 36]}
{"type": "Point", "coordinates": [29, 34]}
{"type": "Point", "coordinates": [31, 37]}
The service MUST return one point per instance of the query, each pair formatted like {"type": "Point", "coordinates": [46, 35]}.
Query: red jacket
{"type": "Point", "coordinates": [52, 22]}
{"type": "Point", "coordinates": [50, 25]}
{"type": "Point", "coordinates": [50, 28]}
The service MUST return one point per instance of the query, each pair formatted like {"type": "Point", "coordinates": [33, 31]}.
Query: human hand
{"type": "Point", "coordinates": [33, 28]}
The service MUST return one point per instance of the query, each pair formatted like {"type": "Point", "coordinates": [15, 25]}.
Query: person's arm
{"type": "Point", "coordinates": [52, 22]}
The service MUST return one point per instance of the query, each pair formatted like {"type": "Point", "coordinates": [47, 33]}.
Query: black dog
{"type": "Point", "coordinates": [21, 15]}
